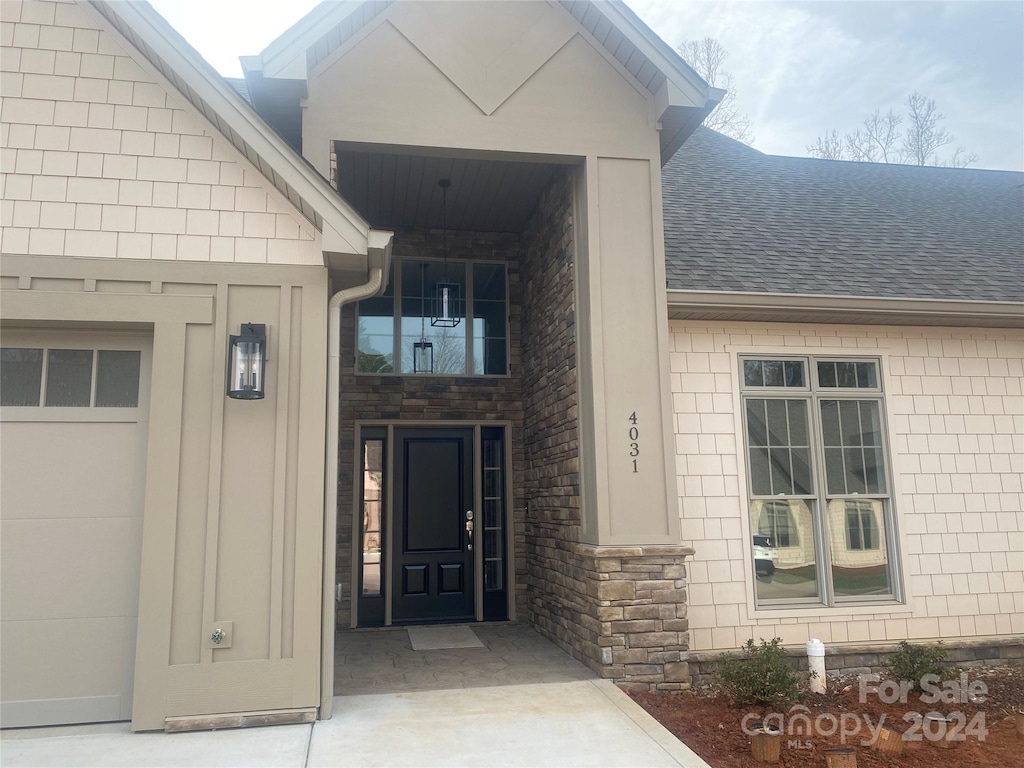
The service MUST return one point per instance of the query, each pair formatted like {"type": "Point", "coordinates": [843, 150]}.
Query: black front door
{"type": "Point", "coordinates": [433, 562]}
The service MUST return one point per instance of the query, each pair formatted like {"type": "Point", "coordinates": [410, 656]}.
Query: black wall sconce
{"type": "Point", "coordinates": [247, 362]}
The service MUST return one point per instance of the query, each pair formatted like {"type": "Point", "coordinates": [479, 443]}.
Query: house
{"type": "Point", "coordinates": [381, 336]}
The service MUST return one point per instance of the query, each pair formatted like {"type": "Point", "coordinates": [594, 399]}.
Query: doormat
{"type": "Point", "coordinates": [439, 638]}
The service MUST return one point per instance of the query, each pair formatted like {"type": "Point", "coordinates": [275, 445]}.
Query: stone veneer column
{"type": "Point", "coordinates": [636, 626]}
{"type": "Point", "coordinates": [619, 609]}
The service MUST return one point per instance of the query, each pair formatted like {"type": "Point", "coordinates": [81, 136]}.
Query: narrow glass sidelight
{"type": "Point", "coordinates": [494, 522]}
{"type": "Point", "coordinates": [247, 362]}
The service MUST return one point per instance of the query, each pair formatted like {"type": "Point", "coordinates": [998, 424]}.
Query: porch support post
{"type": "Point", "coordinates": [628, 483]}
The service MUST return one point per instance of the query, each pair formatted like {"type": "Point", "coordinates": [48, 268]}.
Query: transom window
{"type": "Point", "coordinates": [69, 378]}
{"type": "Point", "coordinates": [818, 478]}
{"type": "Point", "coordinates": [396, 335]}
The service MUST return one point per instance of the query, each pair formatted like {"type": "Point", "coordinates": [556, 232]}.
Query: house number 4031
{"type": "Point", "coordinates": [634, 440]}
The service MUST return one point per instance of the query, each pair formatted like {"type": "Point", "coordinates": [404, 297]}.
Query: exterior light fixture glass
{"type": "Point", "coordinates": [446, 304]}
{"type": "Point", "coordinates": [247, 362]}
{"type": "Point", "coordinates": [422, 357]}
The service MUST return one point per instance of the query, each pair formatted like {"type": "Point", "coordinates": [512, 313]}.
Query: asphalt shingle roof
{"type": "Point", "coordinates": [740, 220]}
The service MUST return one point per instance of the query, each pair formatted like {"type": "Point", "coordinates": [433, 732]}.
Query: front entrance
{"type": "Point", "coordinates": [432, 540]}
{"type": "Point", "coordinates": [432, 525]}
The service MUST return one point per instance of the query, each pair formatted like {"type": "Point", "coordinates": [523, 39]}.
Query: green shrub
{"type": "Point", "coordinates": [759, 675]}
{"type": "Point", "coordinates": [912, 662]}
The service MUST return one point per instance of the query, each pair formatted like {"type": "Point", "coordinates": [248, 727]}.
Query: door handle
{"type": "Point", "coordinates": [469, 530]}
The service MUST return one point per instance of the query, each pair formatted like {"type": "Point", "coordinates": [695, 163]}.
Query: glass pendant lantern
{"type": "Point", "coordinates": [446, 306]}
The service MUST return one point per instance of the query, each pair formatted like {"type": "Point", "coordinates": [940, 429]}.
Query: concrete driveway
{"type": "Point", "coordinates": [575, 723]}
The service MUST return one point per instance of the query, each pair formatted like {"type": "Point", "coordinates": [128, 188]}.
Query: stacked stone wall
{"type": "Point", "coordinates": [431, 398]}
{"type": "Point", "coordinates": [550, 431]}
{"type": "Point", "coordinates": [857, 659]}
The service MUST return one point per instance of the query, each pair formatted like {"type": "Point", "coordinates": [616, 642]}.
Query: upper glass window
{"type": "Point", "coordinates": [774, 373]}
{"type": "Point", "coordinates": [396, 336]}
{"type": "Point", "coordinates": [73, 378]}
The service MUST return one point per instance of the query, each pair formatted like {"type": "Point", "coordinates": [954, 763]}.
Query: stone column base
{"type": "Point", "coordinates": [635, 627]}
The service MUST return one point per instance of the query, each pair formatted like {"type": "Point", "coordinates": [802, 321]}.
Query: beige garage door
{"type": "Point", "coordinates": [73, 408]}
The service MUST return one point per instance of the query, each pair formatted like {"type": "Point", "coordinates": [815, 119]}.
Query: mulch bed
{"type": "Point", "coordinates": [712, 726]}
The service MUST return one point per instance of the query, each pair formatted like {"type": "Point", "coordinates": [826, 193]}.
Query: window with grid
{"type": "Point", "coordinates": [818, 479]}
{"type": "Point", "coordinates": [395, 335]}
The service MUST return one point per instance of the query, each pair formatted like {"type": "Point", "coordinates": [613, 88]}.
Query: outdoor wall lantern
{"type": "Point", "coordinates": [247, 362]}
{"type": "Point", "coordinates": [446, 304]}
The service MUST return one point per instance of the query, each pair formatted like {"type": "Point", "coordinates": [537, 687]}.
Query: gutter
{"type": "Point", "coordinates": [338, 300]}
{"type": "Point", "coordinates": [846, 308]}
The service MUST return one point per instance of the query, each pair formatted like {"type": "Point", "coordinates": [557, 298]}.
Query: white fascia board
{"type": "Point", "coordinates": [690, 86]}
{"type": "Point", "coordinates": [351, 229]}
{"type": "Point", "coordinates": [286, 55]}
{"type": "Point", "coordinates": [1010, 311]}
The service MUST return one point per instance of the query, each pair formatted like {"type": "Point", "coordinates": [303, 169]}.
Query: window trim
{"type": "Point", "coordinates": [813, 394]}
{"type": "Point", "coordinates": [396, 330]}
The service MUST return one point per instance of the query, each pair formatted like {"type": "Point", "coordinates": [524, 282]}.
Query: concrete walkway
{"type": "Point", "coordinates": [582, 723]}
{"type": "Point", "coordinates": [517, 701]}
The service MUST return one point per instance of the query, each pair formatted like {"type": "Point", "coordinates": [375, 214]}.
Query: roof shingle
{"type": "Point", "coordinates": [738, 220]}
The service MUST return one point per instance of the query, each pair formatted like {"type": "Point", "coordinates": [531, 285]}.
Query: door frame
{"type": "Point", "coordinates": [389, 512]}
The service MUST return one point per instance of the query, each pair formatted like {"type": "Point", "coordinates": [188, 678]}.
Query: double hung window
{"type": "Point", "coordinates": [818, 477]}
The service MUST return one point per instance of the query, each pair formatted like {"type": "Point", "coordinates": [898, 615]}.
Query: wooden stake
{"type": "Point", "coordinates": [889, 741]}
{"type": "Point", "coordinates": [766, 744]}
{"type": "Point", "coordinates": [845, 757]}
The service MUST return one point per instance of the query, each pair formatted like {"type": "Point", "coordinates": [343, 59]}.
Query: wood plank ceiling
{"type": "Point", "coordinates": [400, 191]}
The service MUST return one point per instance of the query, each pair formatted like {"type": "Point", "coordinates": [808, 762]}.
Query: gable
{"type": "Point", "coordinates": [488, 50]}
{"type": "Point", "coordinates": [514, 77]}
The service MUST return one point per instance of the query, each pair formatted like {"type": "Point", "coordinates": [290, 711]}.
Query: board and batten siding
{"type": "Point", "coordinates": [956, 435]}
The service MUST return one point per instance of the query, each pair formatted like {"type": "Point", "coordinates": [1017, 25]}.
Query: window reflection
{"type": "Point", "coordinates": [860, 563]}
{"type": "Point", "coordinates": [784, 558]}
{"type": "Point", "coordinates": [373, 497]}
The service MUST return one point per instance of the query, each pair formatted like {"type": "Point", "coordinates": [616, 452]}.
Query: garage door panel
{"type": "Point", "coordinates": [60, 469]}
{"type": "Point", "coordinates": [54, 569]}
{"type": "Point", "coordinates": [72, 487]}
{"type": "Point", "coordinates": [61, 659]}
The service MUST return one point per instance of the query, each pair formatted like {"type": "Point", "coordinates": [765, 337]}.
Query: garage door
{"type": "Point", "coordinates": [74, 410]}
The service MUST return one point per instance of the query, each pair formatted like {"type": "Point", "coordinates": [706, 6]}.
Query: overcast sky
{"type": "Point", "coordinates": [800, 67]}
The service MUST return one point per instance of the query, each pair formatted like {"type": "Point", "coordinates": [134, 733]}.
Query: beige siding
{"type": "Point", "coordinates": [99, 159]}
{"type": "Point", "coordinates": [955, 432]}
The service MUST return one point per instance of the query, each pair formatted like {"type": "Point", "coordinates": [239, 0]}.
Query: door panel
{"type": "Point", "coordinates": [433, 562]}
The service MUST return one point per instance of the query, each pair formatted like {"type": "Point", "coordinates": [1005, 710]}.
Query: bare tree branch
{"type": "Point", "coordinates": [924, 135]}
{"type": "Point", "coordinates": [706, 57]}
{"type": "Point", "coordinates": [827, 147]}
{"type": "Point", "coordinates": [883, 140]}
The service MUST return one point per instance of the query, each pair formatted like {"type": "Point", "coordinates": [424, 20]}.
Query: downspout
{"type": "Point", "coordinates": [338, 300]}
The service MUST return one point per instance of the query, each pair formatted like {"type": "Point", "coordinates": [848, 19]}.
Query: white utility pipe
{"type": "Point", "coordinates": [342, 297]}
{"type": "Point", "coordinates": [816, 664]}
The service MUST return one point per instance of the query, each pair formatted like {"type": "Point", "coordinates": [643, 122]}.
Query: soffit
{"type": "Point", "coordinates": [236, 121]}
{"type": "Point", "coordinates": [399, 190]}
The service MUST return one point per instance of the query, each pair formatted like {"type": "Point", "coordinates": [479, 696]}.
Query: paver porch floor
{"type": "Point", "coordinates": [371, 661]}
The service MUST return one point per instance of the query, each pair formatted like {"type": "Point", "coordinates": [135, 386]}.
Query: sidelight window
{"type": "Point", "coordinates": [817, 472]}
{"type": "Point", "coordinates": [395, 334]}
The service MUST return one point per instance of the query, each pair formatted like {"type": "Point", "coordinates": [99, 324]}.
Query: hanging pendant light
{"type": "Point", "coordinates": [446, 308]}
{"type": "Point", "coordinates": [423, 350]}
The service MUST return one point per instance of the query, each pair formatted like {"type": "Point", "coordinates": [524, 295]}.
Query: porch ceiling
{"type": "Point", "coordinates": [400, 190]}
